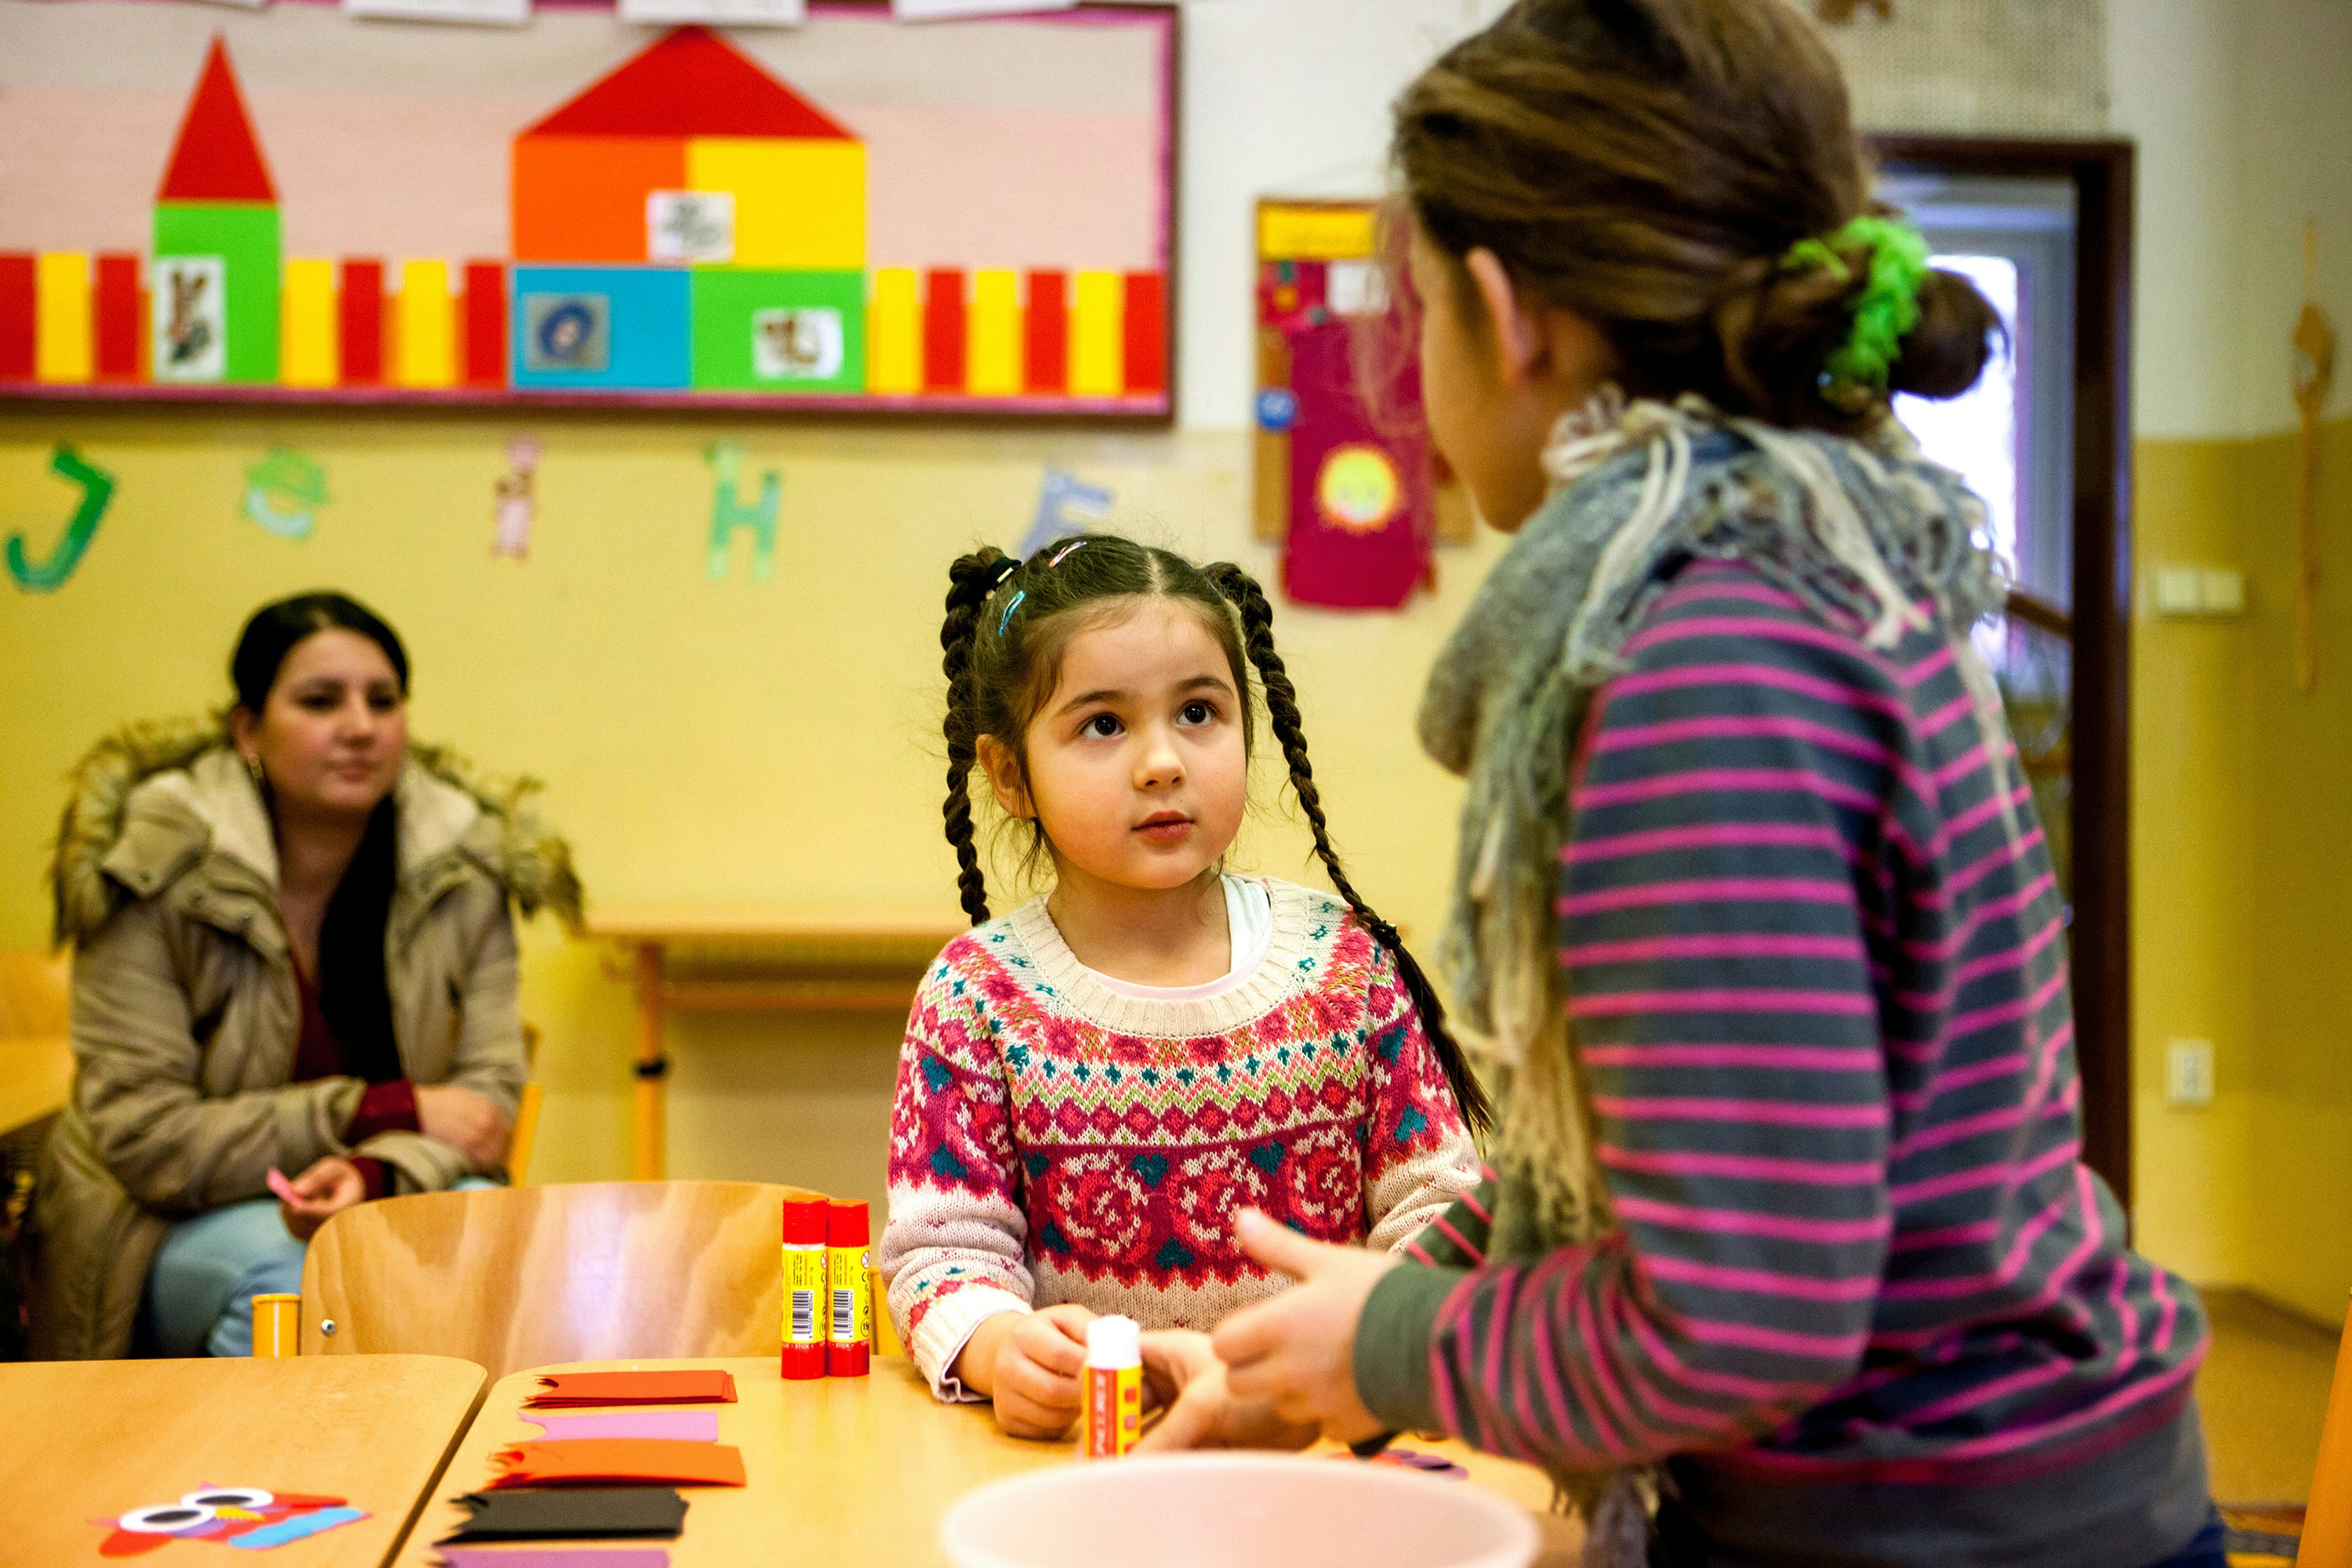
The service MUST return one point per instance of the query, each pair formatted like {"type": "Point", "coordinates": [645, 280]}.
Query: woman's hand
{"type": "Point", "coordinates": [1182, 1372]}
{"type": "Point", "coordinates": [1030, 1363]}
{"type": "Point", "coordinates": [465, 1121]}
{"type": "Point", "coordinates": [1297, 1352]}
{"type": "Point", "coordinates": [329, 1187]}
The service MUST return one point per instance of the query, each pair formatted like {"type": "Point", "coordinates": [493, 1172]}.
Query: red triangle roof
{"type": "Point", "coordinates": [216, 158]}
{"type": "Point", "coordinates": [692, 82]}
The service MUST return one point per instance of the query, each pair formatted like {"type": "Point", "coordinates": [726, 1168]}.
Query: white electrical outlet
{"type": "Point", "coordinates": [2189, 1072]}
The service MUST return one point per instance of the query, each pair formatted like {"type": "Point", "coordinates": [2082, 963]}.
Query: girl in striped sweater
{"type": "Point", "coordinates": [1094, 1084]}
{"type": "Point", "coordinates": [1786, 1255]}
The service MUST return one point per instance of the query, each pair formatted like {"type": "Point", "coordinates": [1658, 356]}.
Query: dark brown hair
{"type": "Point", "coordinates": [1008, 623]}
{"type": "Point", "coordinates": [1648, 165]}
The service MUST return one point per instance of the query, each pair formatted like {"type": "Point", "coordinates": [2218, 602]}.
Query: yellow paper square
{"type": "Point", "coordinates": [800, 204]}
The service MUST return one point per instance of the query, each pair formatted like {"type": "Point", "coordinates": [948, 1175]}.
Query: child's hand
{"type": "Point", "coordinates": [1182, 1372]}
{"type": "Point", "coordinates": [1297, 1352]}
{"type": "Point", "coordinates": [1030, 1364]}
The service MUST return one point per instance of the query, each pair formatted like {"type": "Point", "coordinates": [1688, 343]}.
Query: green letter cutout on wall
{"type": "Point", "coordinates": [97, 489]}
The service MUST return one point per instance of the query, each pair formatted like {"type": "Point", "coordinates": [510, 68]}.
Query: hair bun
{"type": "Point", "coordinates": [1779, 326]}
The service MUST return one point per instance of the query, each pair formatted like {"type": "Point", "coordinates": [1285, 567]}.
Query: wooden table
{"type": "Point", "coordinates": [95, 1439]}
{"type": "Point", "coordinates": [767, 959]}
{"type": "Point", "coordinates": [36, 1076]}
{"type": "Point", "coordinates": [852, 1471]}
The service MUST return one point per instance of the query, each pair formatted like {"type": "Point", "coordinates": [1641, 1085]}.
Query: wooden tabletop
{"type": "Point", "coordinates": [850, 1470]}
{"type": "Point", "coordinates": [92, 1440]}
{"type": "Point", "coordinates": [36, 1076]}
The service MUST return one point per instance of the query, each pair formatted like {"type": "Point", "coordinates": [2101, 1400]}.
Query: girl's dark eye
{"type": "Point", "coordinates": [319, 702]}
{"type": "Point", "coordinates": [1198, 714]}
{"type": "Point", "coordinates": [1102, 725]}
{"type": "Point", "coordinates": [383, 702]}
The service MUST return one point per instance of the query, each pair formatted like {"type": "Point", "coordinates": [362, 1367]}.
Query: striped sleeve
{"type": "Point", "coordinates": [1722, 875]}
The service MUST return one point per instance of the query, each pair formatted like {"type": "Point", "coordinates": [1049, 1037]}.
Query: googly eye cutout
{"type": "Point", "coordinates": [166, 1519]}
{"type": "Point", "coordinates": [229, 1496]}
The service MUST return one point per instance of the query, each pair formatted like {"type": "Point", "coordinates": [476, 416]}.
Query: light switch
{"type": "Point", "coordinates": [2197, 591]}
{"type": "Point", "coordinates": [2189, 1073]}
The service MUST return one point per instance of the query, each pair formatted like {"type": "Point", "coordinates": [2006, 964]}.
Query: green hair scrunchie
{"type": "Point", "coordinates": [1888, 307]}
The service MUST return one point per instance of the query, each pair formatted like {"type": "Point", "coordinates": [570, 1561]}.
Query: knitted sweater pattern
{"type": "Point", "coordinates": [1055, 1141]}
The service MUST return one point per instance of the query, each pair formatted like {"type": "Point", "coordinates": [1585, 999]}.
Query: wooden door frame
{"type": "Point", "coordinates": [2100, 936]}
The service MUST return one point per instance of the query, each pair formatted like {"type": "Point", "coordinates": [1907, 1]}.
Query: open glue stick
{"type": "Point", "coordinates": [850, 1340]}
{"type": "Point", "coordinates": [804, 1302]}
{"type": "Point", "coordinates": [1112, 1415]}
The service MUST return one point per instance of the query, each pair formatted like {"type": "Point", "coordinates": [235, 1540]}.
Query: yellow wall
{"type": "Point", "coordinates": [2241, 869]}
{"type": "Point", "coordinates": [701, 741]}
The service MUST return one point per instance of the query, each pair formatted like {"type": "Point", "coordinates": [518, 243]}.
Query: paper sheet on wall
{"type": "Point", "coordinates": [718, 13]}
{"type": "Point", "coordinates": [942, 10]}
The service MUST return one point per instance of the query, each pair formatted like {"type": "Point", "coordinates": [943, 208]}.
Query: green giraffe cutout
{"type": "Point", "coordinates": [97, 491]}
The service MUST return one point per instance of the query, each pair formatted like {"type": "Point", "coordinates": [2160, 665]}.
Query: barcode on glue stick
{"type": "Point", "coordinates": [845, 1315]}
{"type": "Point", "coordinates": [804, 1317]}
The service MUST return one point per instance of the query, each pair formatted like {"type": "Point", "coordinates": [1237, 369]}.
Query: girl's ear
{"type": "Point", "coordinates": [1537, 343]}
{"type": "Point", "coordinates": [1003, 770]}
{"type": "Point", "coordinates": [243, 726]}
{"type": "Point", "coordinates": [1515, 341]}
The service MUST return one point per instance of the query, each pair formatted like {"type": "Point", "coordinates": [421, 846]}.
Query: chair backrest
{"type": "Point", "coordinates": [520, 1276]}
{"type": "Point", "coordinates": [35, 993]}
{"type": "Point", "coordinates": [2328, 1522]}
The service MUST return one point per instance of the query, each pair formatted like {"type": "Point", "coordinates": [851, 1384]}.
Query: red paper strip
{"type": "Point", "coordinates": [1147, 333]}
{"type": "Point", "coordinates": [619, 1461]}
{"type": "Point", "coordinates": [1049, 332]}
{"type": "Point", "coordinates": [116, 315]}
{"type": "Point", "coordinates": [685, 1387]}
{"type": "Point", "coordinates": [486, 323]}
{"type": "Point", "coordinates": [16, 313]}
{"type": "Point", "coordinates": [361, 312]}
{"type": "Point", "coordinates": [944, 331]}
{"type": "Point", "coordinates": [215, 157]}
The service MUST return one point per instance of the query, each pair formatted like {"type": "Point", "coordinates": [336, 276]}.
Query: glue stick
{"type": "Point", "coordinates": [850, 1336]}
{"type": "Point", "coordinates": [1112, 1415]}
{"type": "Point", "coordinates": [804, 1352]}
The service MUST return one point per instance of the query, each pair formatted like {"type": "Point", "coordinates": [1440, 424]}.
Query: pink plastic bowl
{"type": "Point", "coordinates": [1235, 1511]}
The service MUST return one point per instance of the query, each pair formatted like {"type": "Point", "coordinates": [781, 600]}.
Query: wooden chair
{"type": "Point", "coordinates": [520, 1276]}
{"type": "Point", "coordinates": [2328, 1522]}
{"type": "Point", "coordinates": [525, 1133]}
{"type": "Point", "coordinates": [36, 1054]}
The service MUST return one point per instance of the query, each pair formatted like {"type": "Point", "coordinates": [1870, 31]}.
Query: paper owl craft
{"type": "Point", "coordinates": [247, 1518]}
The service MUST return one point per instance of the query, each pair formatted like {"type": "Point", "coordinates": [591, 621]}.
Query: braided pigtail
{"type": "Point", "coordinates": [1256, 614]}
{"type": "Point", "coordinates": [970, 582]}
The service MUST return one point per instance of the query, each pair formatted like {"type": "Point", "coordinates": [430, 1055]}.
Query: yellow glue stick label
{"type": "Point", "coordinates": [1113, 1415]}
{"type": "Point", "coordinates": [853, 1301]}
{"type": "Point", "coordinates": [805, 1316]}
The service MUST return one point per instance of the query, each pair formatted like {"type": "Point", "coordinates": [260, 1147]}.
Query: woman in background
{"type": "Point", "coordinates": [293, 952]}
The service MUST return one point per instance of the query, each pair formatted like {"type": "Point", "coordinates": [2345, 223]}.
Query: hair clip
{"type": "Point", "coordinates": [1066, 551]}
{"type": "Point", "coordinates": [1005, 568]}
{"type": "Point", "coordinates": [1006, 618]}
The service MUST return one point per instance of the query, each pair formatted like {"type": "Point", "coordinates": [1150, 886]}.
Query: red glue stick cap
{"type": "Point", "coordinates": [845, 1224]}
{"type": "Point", "coordinates": [805, 1221]}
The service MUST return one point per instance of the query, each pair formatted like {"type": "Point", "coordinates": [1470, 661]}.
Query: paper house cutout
{"type": "Point", "coordinates": [217, 242]}
{"type": "Point", "coordinates": [690, 114]}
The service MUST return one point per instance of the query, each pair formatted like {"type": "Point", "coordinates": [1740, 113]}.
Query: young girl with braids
{"type": "Point", "coordinates": [1788, 1255]}
{"type": "Point", "coordinates": [1093, 1084]}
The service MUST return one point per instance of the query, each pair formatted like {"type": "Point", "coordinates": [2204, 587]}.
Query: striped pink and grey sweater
{"type": "Point", "coordinates": [1054, 1139]}
{"type": "Point", "coordinates": [1865, 1302]}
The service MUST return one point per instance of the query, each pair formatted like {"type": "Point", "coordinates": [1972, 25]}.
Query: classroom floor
{"type": "Point", "coordinates": [2264, 1393]}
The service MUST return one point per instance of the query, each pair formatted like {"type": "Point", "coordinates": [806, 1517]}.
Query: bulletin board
{"type": "Point", "coordinates": [854, 216]}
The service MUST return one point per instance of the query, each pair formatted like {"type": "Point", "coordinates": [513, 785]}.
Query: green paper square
{"type": "Point", "coordinates": [733, 306]}
{"type": "Point", "coordinates": [244, 236]}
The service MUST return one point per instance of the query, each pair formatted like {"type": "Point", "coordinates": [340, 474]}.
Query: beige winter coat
{"type": "Point", "coordinates": [185, 1015]}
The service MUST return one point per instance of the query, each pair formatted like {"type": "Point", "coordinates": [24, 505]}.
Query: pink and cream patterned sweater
{"type": "Point", "coordinates": [1056, 1141]}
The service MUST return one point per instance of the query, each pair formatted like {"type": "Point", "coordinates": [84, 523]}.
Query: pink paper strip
{"type": "Point", "coordinates": [558, 1557]}
{"type": "Point", "coordinates": [680, 1425]}
{"type": "Point", "coordinates": [278, 1184]}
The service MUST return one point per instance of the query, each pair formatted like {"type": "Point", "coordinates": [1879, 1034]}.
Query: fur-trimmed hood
{"type": "Point", "coordinates": [151, 802]}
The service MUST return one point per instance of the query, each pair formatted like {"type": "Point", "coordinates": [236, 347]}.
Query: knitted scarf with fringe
{"type": "Point", "coordinates": [1858, 530]}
